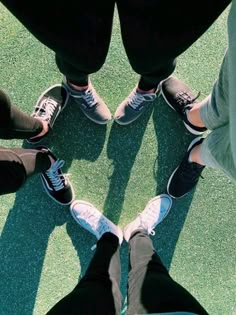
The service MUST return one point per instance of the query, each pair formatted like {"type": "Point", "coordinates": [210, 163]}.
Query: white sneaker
{"type": "Point", "coordinates": [154, 213]}
{"type": "Point", "coordinates": [91, 219]}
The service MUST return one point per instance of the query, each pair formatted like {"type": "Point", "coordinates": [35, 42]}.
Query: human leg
{"type": "Point", "coordinates": [98, 291]}
{"type": "Point", "coordinates": [18, 164]}
{"type": "Point", "coordinates": [153, 36]}
{"type": "Point", "coordinates": [14, 124]}
{"type": "Point", "coordinates": [151, 289]}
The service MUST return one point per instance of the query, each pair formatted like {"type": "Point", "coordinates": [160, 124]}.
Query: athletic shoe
{"type": "Point", "coordinates": [154, 213]}
{"type": "Point", "coordinates": [181, 99]}
{"type": "Point", "coordinates": [92, 220]}
{"type": "Point", "coordinates": [55, 183]}
{"type": "Point", "coordinates": [185, 177]}
{"type": "Point", "coordinates": [134, 106]}
{"type": "Point", "coordinates": [48, 107]}
{"type": "Point", "coordinates": [90, 103]}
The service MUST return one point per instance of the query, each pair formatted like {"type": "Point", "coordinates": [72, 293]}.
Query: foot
{"type": "Point", "coordinates": [48, 107]}
{"type": "Point", "coordinates": [181, 99]}
{"type": "Point", "coordinates": [90, 103]}
{"type": "Point", "coordinates": [92, 220]}
{"type": "Point", "coordinates": [154, 213]}
{"type": "Point", "coordinates": [134, 106]}
{"type": "Point", "coordinates": [185, 177]}
{"type": "Point", "coordinates": [55, 183]}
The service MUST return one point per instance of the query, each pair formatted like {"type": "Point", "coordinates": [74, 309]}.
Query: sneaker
{"type": "Point", "coordinates": [55, 183]}
{"type": "Point", "coordinates": [49, 105]}
{"type": "Point", "coordinates": [154, 213]}
{"type": "Point", "coordinates": [181, 99]}
{"type": "Point", "coordinates": [186, 175]}
{"type": "Point", "coordinates": [90, 103]}
{"type": "Point", "coordinates": [134, 106]}
{"type": "Point", "coordinates": [92, 220]}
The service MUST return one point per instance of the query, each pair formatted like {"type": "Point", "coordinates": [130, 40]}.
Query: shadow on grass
{"type": "Point", "coordinates": [24, 243]}
{"type": "Point", "coordinates": [122, 148]}
{"type": "Point", "coordinates": [34, 216]}
{"type": "Point", "coordinates": [172, 143]}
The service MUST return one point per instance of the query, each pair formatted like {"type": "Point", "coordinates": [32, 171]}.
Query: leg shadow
{"type": "Point", "coordinates": [172, 143]}
{"type": "Point", "coordinates": [24, 241]}
{"type": "Point", "coordinates": [122, 148]}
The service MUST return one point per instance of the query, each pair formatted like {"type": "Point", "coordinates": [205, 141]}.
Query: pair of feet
{"type": "Point", "coordinates": [54, 100]}
{"type": "Point", "coordinates": [181, 99]}
{"type": "Point", "coordinates": [91, 219]}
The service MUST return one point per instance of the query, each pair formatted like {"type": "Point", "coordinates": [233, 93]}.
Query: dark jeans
{"type": "Point", "coordinates": [17, 164]}
{"type": "Point", "coordinates": [154, 32]}
{"type": "Point", "coordinates": [150, 287]}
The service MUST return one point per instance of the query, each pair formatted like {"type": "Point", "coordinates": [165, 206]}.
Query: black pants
{"type": "Point", "coordinates": [17, 164]}
{"type": "Point", "coordinates": [154, 32]}
{"type": "Point", "coordinates": [14, 124]}
{"type": "Point", "coordinates": [150, 287]}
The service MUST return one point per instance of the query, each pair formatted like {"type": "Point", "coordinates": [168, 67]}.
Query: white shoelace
{"type": "Point", "coordinates": [57, 180]}
{"type": "Point", "coordinates": [137, 99]}
{"type": "Point", "coordinates": [88, 95]}
{"type": "Point", "coordinates": [148, 220]}
{"type": "Point", "coordinates": [46, 109]}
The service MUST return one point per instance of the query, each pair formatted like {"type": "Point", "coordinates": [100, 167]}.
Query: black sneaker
{"type": "Point", "coordinates": [49, 105]}
{"type": "Point", "coordinates": [186, 175]}
{"type": "Point", "coordinates": [180, 98]}
{"type": "Point", "coordinates": [55, 183]}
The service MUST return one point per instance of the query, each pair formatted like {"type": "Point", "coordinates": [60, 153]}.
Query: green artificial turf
{"type": "Point", "coordinates": [43, 251]}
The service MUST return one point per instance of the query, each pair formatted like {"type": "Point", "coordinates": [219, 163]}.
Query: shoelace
{"type": "Point", "coordinates": [57, 180]}
{"type": "Point", "coordinates": [147, 219]}
{"type": "Point", "coordinates": [137, 99]}
{"type": "Point", "coordinates": [89, 97]}
{"type": "Point", "coordinates": [184, 99]}
{"type": "Point", "coordinates": [46, 109]}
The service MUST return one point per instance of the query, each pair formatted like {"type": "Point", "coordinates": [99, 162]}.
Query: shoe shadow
{"type": "Point", "coordinates": [172, 143]}
{"type": "Point", "coordinates": [123, 146]}
{"type": "Point", "coordinates": [24, 242]}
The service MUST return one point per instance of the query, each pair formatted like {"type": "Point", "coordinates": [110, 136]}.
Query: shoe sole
{"type": "Point", "coordinates": [66, 102]}
{"type": "Point", "coordinates": [168, 184]}
{"type": "Point", "coordinates": [191, 130]}
{"type": "Point", "coordinates": [60, 203]}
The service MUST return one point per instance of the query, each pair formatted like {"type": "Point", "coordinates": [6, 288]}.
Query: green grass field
{"type": "Point", "coordinates": [43, 251]}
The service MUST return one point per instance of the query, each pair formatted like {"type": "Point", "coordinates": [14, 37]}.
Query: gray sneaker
{"type": "Point", "coordinates": [154, 213]}
{"type": "Point", "coordinates": [90, 103]}
{"type": "Point", "coordinates": [134, 106]}
{"type": "Point", "coordinates": [92, 220]}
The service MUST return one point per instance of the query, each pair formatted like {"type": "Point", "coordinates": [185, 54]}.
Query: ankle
{"type": "Point", "coordinates": [195, 156]}
{"type": "Point", "coordinates": [44, 130]}
{"type": "Point", "coordinates": [194, 117]}
{"type": "Point", "coordinates": [146, 91]}
{"type": "Point", "coordinates": [77, 87]}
